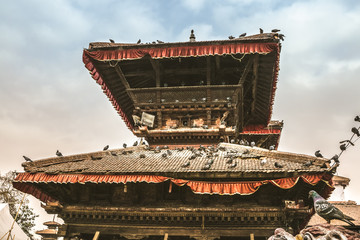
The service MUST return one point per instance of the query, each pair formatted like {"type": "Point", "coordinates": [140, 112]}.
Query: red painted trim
{"type": "Point", "coordinates": [24, 182]}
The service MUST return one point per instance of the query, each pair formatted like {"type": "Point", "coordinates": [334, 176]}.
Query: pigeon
{"type": "Point", "coordinates": [186, 164]}
{"type": "Point", "coordinates": [106, 148]}
{"type": "Point", "coordinates": [262, 163]}
{"type": "Point", "coordinates": [139, 41]}
{"type": "Point", "coordinates": [309, 163]}
{"type": "Point", "coordinates": [168, 152]}
{"type": "Point", "coordinates": [327, 211]}
{"type": "Point", "coordinates": [357, 119]}
{"type": "Point", "coordinates": [153, 42]}
{"type": "Point", "coordinates": [27, 159]}
{"type": "Point", "coordinates": [233, 165]}
{"type": "Point", "coordinates": [281, 36]}
{"type": "Point", "coordinates": [164, 155]}
{"type": "Point", "coordinates": [158, 41]}
{"type": "Point", "coordinates": [124, 145]}
{"type": "Point", "coordinates": [206, 167]}
{"type": "Point", "coordinates": [242, 35]}
{"type": "Point", "coordinates": [112, 41]}
{"type": "Point", "coordinates": [113, 153]}
{"type": "Point", "coordinates": [229, 161]}
{"type": "Point", "coordinates": [166, 147]}
{"type": "Point", "coordinates": [278, 165]}
{"type": "Point", "coordinates": [231, 37]}
{"type": "Point", "coordinates": [343, 147]}
{"type": "Point", "coordinates": [135, 143]}
{"type": "Point", "coordinates": [58, 153]}
{"type": "Point", "coordinates": [275, 30]}
{"type": "Point", "coordinates": [252, 144]}
{"type": "Point", "coordinates": [242, 142]}
{"type": "Point", "coordinates": [318, 154]}
{"type": "Point", "coordinates": [142, 155]}
{"type": "Point", "coordinates": [335, 158]}
{"type": "Point", "coordinates": [355, 131]}
{"type": "Point", "coordinates": [261, 30]}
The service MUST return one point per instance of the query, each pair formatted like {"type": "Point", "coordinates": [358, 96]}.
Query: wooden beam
{"type": "Point", "coordinates": [96, 236]}
{"type": "Point", "coordinates": [156, 67]}
{"type": "Point", "coordinates": [246, 70]}
{"type": "Point", "coordinates": [239, 121]}
{"type": "Point", "coordinates": [124, 82]}
{"type": "Point", "coordinates": [208, 78]}
{"type": "Point", "coordinates": [254, 82]}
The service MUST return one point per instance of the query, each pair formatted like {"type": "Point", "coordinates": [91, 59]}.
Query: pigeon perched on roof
{"type": "Point", "coordinates": [318, 154]}
{"type": "Point", "coordinates": [186, 164]}
{"type": "Point", "coordinates": [309, 163]}
{"type": "Point", "coordinates": [357, 119]}
{"type": "Point", "coordinates": [158, 41]}
{"type": "Point", "coordinates": [278, 165]}
{"type": "Point", "coordinates": [139, 41]}
{"type": "Point", "coordinates": [262, 162]}
{"type": "Point", "coordinates": [281, 36]}
{"type": "Point", "coordinates": [355, 131]}
{"type": "Point", "coordinates": [275, 30]}
{"type": "Point", "coordinates": [231, 37]}
{"type": "Point", "coordinates": [328, 211]}
{"type": "Point", "coordinates": [58, 153]}
{"type": "Point", "coordinates": [272, 147]}
{"type": "Point", "coordinates": [112, 41]}
{"type": "Point", "coordinates": [113, 154]}
{"type": "Point", "coordinates": [142, 155]}
{"type": "Point", "coordinates": [335, 158]}
{"type": "Point", "coordinates": [252, 144]}
{"type": "Point", "coordinates": [233, 165]}
{"type": "Point", "coordinates": [124, 145]}
{"type": "Point", "coordinates": [206, 167]}
{"type": "Point", "coordinates": [242, 35]}
{"type": "Point", "coordinates": [135, 143]}
{"type": "Point", "coordinates": [106, 148]}
{"type": "Point", "coordinates": [261, 30]}
{"type": "Point", "coordinates": [27, 159]}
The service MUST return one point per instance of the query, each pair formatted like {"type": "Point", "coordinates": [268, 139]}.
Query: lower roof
{"type": "Point", "coordinates": [228, 161]}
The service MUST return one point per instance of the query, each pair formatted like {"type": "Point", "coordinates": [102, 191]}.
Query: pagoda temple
{"type": "Point", "coordinates": [206, 165]}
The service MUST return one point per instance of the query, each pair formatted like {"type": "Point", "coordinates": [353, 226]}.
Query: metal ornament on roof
{"type": "Point", "coordinates": [147, 119]}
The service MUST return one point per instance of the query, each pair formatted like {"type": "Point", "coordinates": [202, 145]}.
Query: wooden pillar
{"type": "Point", "coordinates": [252, 237]}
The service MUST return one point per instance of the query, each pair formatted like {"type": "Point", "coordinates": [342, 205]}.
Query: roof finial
{"type": "Point", "coordinates": [192, 36]}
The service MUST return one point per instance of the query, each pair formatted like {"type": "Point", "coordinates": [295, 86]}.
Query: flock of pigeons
{"type": "Point", "coordinates": [345, 144]}
{"type": "Point", "coordinates": [279, 35]}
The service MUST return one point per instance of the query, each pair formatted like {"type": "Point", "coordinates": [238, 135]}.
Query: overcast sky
{"type": "Point", "coordinates": [49, 101]}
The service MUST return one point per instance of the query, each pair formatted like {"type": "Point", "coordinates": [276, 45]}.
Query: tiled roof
{"type": "Point", "coordinates": [142, 160]}
{"type": "Point", "coordinates": [349, 208]}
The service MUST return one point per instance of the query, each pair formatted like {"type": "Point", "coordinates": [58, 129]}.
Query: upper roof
{"type": "Point", "coordinates": [172, 163]}
{"type": "Point", "coordinates": [130, 74]}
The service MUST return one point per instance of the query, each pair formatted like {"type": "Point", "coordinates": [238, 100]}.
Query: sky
{"type": "Point", "coordinates": [49, 100]}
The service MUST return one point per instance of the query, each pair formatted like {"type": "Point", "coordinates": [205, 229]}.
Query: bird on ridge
{"type": "Point", "coordinates": [231, 37]}
{"type": "Point", "coordinates": [275, 30]}
{"type": "Point", "coordinates": [357, 119]}
{"type": "Point", "coordinates": [328, 211]}
{"type": "Point", "coordinates": [242, 35]}
{"type": "Point", "coordinates": [106, 148]}
{"type": "Point", "coordinates": [58, 153]}
{"type": "Point", "coordinates": [139, 41]}
{"type": "Point", "coordinates": [278, 165]}
{"type": "Point", "coordinates": [335, 158]}
{"type": "Point", "coordinates": [318, 154]}
{"type": "Point", "coordinates": [124, 145]}
{"type": "Point", "coordinates": [261, 30]}
{"type": "Point", "coordinates": [158, 41]}
{"type": "Point", "coordinates": [112, 41]}
{"type": "Point", "coordinates": [27, 159]}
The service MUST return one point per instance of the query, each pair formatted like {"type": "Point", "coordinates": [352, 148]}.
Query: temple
{"type": "Point", "coordinates": [206, 165]}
